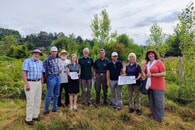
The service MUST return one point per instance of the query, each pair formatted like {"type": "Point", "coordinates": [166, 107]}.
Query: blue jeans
{"type": "Point", "coordinates": [53, 87]}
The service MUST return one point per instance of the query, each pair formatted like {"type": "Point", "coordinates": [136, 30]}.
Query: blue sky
{"type": "Point", "coordinates": [131, 17]}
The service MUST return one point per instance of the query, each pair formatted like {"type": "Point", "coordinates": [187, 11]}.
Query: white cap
{"type": "Point", "coordinates": [114, 54]}
{"type": "Point", "coordinates": [53, 49]}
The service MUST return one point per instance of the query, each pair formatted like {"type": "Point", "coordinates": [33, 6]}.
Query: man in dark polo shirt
{"type": "Point", "coordinates": [86, 63]}
{"type": "Point", "coordinates": [100, 77]}
{"type": "Point", "coordinates": [114, 70]}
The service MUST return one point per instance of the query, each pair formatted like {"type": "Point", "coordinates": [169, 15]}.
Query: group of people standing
{"type": "Point", "coordinates": [62, 73]}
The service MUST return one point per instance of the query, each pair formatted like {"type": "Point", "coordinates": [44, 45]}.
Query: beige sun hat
{"type": "Point", "coordinates": [63, 51]}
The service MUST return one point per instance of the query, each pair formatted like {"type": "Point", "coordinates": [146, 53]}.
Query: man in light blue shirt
{"type": "Point", "coordinates": [32, 73]}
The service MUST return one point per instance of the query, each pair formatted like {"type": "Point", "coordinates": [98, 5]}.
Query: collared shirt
{"type": "Point", "coordinates": [133, 70]}
{"type": "Point", "coordinates": [100, 65]}
{"type": "Point", "coordinates": [114, 69]}
{"type": "Point", "coordinates": [62, 66]}
{"type": "Point", "coordinates": [34, 69]}
{"type": "Point", "coordinates": [86, 67]}
{"type": "Point", "coordinates": [51, 66]}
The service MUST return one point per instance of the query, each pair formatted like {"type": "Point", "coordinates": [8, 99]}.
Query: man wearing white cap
{"type": "Point", "coordinates": [114, 70]}
{"type": "Point", "coordinates": [63, 62]}
{"type": "Point", "coordinates": [32, 73]}
{"type": "Point", "coordinates": [52, 72]}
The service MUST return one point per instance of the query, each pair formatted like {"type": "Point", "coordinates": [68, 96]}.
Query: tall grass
{"type": "Point", "coordinates": [91, 118]}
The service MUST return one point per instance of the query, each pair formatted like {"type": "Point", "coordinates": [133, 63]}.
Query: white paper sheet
{"type": "Point", "coordinates": [74, 75]}
{"type": "Point", "coordinates": [123, 80]}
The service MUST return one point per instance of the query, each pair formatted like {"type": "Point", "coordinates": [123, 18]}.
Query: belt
{"type": "Point", "coordinates": [54, 74]}
{"type": "Point", "coordinates": [114, 79]}
{"type": "Point", "coordinates": [33, 80]}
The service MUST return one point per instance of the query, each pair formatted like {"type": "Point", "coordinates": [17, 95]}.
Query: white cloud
{"type": "Point", "coordinates": [127, 16]}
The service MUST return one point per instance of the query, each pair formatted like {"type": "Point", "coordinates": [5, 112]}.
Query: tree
{"type": "Point", "coordinates": [173, 42]}
{"type": "Point", "coordinates": [5, 32]}
{"type": "Point", "coordinates": [124, 38]}
{"type": "Point", "coordinates": [156, 39]}
{"type": "Point", "coordinates": [186, 28]}
{"type": "Point", "coordinates": [101, 27]}
{"type": "Point", "coordinates": [18, 51]}
{"type": "Point", "coordinates": [129, 45]}
{"type": "Point", "coordinates": [65, 43]}
{"type": "Point", "coordinates": [9, 40]}
{"type": "Point", "coordinates": [115, 47]}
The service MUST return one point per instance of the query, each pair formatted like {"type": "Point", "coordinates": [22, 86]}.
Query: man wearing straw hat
{"type": "Point", "coordinates": [32, 73]}
{"type": "Point", "coordinates": [63, 62]}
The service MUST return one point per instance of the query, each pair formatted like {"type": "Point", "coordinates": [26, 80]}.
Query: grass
{"type": "Point", "coordinates": [90, 118]}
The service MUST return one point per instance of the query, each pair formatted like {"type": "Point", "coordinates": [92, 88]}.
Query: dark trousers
{"type": "Point", "coordinates": [101, 81]}
{"type": "Point", "coordinates": [86, 94]}
{"type": "Point", "coordinates": [156, 103]}
{"type": "Point", "coordinates": [65, 87]}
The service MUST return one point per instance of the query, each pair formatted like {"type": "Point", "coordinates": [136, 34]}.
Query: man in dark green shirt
{"type": "Point", "coordinates": [86, 63]}
{"type": "Point", "coordinates": [100, 77]}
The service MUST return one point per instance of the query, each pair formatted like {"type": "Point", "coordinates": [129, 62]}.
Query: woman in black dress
{"type": "Point", "coordinates": [73, 71]}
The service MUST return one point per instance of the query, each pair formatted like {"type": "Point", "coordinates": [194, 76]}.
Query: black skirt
{"type": "Point", "coordinates": [73, 86]}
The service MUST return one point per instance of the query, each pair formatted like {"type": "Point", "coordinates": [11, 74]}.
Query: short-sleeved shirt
{"type": "Point", "coordinates": [74, 68]}
{"type": "Point", "coordinates": [133, 70]}
{"type": "Point", "coordinates": [34, 69]}
{"type": "Point", "coordinates": [62, 65]}
{"type": "Point", "coordinates": [157, 82]}
{"type": "Point", "coordinates": [100, 65]}
{"type": "Point", "coordinates": [114, 69]}
{"type": "Point", "coordinates": [86, 67]}
{"type": "Point", "coordinates": [51, 66]}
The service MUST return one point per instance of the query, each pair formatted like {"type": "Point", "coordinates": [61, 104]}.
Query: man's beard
{"type": "Point", "coordinates": [63, 57]}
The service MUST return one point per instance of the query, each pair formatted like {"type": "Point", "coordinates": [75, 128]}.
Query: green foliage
{"type": "Point", "coordinates": [101, 27]}
{"type": "Point", "coordinates": [172, 70]}
{"type": "Point", "coordinates": [156, 40]}
{"type": "Point", "coordinates": [124, 38]}
{"type": "Point", "coordinates": [30, 46]}
{"type": "Point", "coordinates": [111, 47]}
{"type": "Point", "coordinates": [66, 43]}
{"type": "Point", "coordinates": [6, 32]}
{"type": "Point", "coordinates": [129, 46]}
{"type": "Point", "coordinates": [187, 43]}
{"type": "Point", "coordinates": [11, 79]}
{"type": "Point", "coordinates": [18, 51]}
{"type": "Point", "coordinates": [173, 41]}
{"type": "Point", "coordinates": [9, 40]}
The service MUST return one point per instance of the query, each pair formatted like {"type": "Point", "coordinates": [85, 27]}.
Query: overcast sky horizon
{"type": "Point", "coordinates": [131, 17]}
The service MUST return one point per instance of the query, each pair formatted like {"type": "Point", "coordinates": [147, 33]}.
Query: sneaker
{"type": "Point", "coordinates": [138, 112]}
{"type": "Point", "coordinates": [71, 107]}
{"type": "Point", "coordinates": [75, 107]}
{"type": "Point", "coordinates": [29, 122]}
{"type": "Point", "coordinates": [131, 110]}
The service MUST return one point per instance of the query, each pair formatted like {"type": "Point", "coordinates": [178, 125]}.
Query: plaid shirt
{"type": "Point", "coordinates": [51, 66]}
{"type": "Point", "coordinates": [34, 69]}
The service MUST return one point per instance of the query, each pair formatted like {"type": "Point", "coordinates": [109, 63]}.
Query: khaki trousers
{"type": "Point", "coordinates": [33, 98]}
{"type": "Point", "coordinates": [134, 96]}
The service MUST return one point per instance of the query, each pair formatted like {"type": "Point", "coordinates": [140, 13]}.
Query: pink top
{"type": "Point", "coordinates": [157, 82]}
